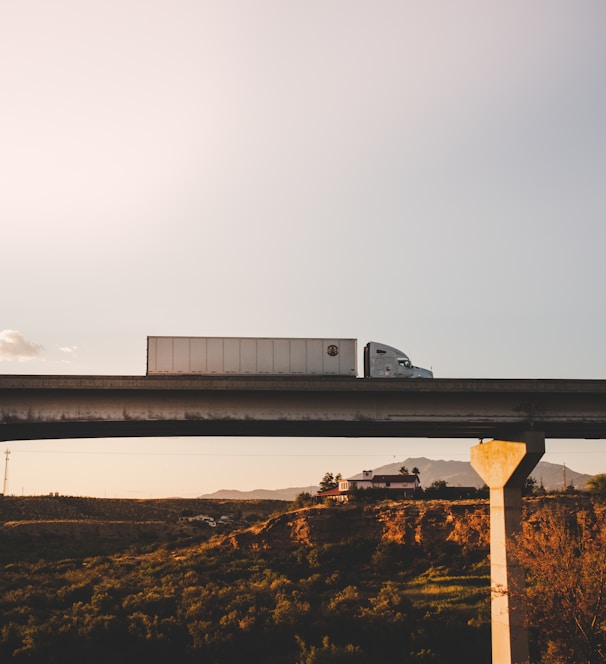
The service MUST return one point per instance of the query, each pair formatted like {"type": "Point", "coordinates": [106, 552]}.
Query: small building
{"type": "Point", "coordinates": [405, 485]}
{"type": "Point", "coordinates": [200, 518]}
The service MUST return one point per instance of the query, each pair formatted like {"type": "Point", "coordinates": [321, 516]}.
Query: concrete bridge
{"type": "Point", "coordinates": [39, 407]}
{"type": "Point", "coordinates": [517, 415]}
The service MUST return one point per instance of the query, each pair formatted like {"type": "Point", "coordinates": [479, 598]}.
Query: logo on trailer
{"type": "Point", "coordinates": [332, 350]}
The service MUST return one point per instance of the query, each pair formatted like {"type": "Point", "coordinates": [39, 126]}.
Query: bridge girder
{"type": "Point", "coordinates": [45, 407]}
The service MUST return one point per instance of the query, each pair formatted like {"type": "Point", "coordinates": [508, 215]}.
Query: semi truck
{"type": "Point", "coordinates": [262, 356]}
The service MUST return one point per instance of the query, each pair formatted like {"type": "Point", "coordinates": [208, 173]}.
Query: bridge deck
{"type": "Point", "coordinates": [38, 407]}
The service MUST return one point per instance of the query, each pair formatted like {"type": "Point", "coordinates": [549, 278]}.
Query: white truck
{"type": "Point", "coordinates": [229, 356]}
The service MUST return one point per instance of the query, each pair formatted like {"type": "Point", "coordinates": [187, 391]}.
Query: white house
{"type": "Point", "coordinates": [404, 484]}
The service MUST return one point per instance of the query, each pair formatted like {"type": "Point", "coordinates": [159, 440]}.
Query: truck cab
{"type": "Point", "coordinates": [382, 361]}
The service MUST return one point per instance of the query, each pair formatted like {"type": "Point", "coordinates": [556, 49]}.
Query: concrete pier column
{"type": "Point", "coordinates": [504, 465]}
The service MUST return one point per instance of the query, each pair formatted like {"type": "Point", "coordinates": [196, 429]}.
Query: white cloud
{"type": "Point", "coordinates": [14, 346]}
{"type": "Point", "coordinates": [68, 349]}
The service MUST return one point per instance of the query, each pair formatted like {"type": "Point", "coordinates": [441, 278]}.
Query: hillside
{"type": "Point", "coordinates": [422, 524]}
{"type": "Point", "coordinates": [355, 583]}
{"type": "Point", "coordinates": [40, 525]}
{"type": "Point", "coordinates": [52, 507]}
{"type": "Point", "coordinates": [324, 584]}
{"type": "Point", "coordinates": [255, 524]}
{"type": "Point", "coordinates": [58, 526]}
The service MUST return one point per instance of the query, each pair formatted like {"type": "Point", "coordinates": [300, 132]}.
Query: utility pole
{"type": "Point", "coordinates": [6, 454]}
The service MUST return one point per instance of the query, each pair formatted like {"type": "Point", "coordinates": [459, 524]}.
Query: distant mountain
{"type": "Point", "coordinates": [261, 494]}
{"type": "Point", "coordinates": [460, 473]}
{"type": "Point", "coordinates": [456, 473]}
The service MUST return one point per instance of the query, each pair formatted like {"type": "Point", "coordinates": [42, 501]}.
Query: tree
{"type": "Point", "coordinates": [404, 470]}
{"type": "Point", "coordinates": [530, 486]}
{"type": "Point", "coordinates": [330, 481]}
{"type": "Point", "coordinates": [303, 499]}
{"type": "Point", "coordinates": [597, 485]}
{"type": "Point", "coordinates": [437, 489]}
{"type": "Point", "coordinates": [564, 556]}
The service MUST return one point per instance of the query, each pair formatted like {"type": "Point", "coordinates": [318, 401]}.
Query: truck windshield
{"type": "Point", "coordinates": [404, 362]}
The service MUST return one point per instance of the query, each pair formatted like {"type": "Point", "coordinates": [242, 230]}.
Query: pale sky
{"type": "Point", "coordinates": [429, 175]}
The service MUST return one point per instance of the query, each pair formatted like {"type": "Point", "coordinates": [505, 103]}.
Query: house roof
{"type": "Point", "coordinates": [331, 492]}
{"type": "Point", "coordinates": [360, 476]}
{"type": "Point", "coordinates": [395, 478]}
{"type": "Point", "coordinates": [386, 478]}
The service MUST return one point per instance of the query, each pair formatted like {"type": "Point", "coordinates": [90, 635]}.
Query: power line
{"type": "Point", "coordinates": [209, 454]}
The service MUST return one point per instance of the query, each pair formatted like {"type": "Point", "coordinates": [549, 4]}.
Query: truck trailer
{"type": "Point", "coordinates": [261, 356]}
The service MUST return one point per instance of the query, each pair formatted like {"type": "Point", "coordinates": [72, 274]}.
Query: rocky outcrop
{"type": "Point", "coordinates": [414, 523]}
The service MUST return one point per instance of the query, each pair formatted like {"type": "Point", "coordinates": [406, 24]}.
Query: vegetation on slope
{"type": "Point", "coordinates": [330, 599]}
{"type": "Point", "coordinates": [353, 601]}
{"type": "Point", "coordinates": [563, 549]}
{"type": "Point", "coordinates": [404, 582]}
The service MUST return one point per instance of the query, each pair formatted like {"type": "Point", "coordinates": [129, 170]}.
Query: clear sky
{"type": "Point", "coordinates": [430, 175]}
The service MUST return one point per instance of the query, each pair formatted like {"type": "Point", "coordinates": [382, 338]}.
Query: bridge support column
{"type": "Point", "coordinates": [504, 465]}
